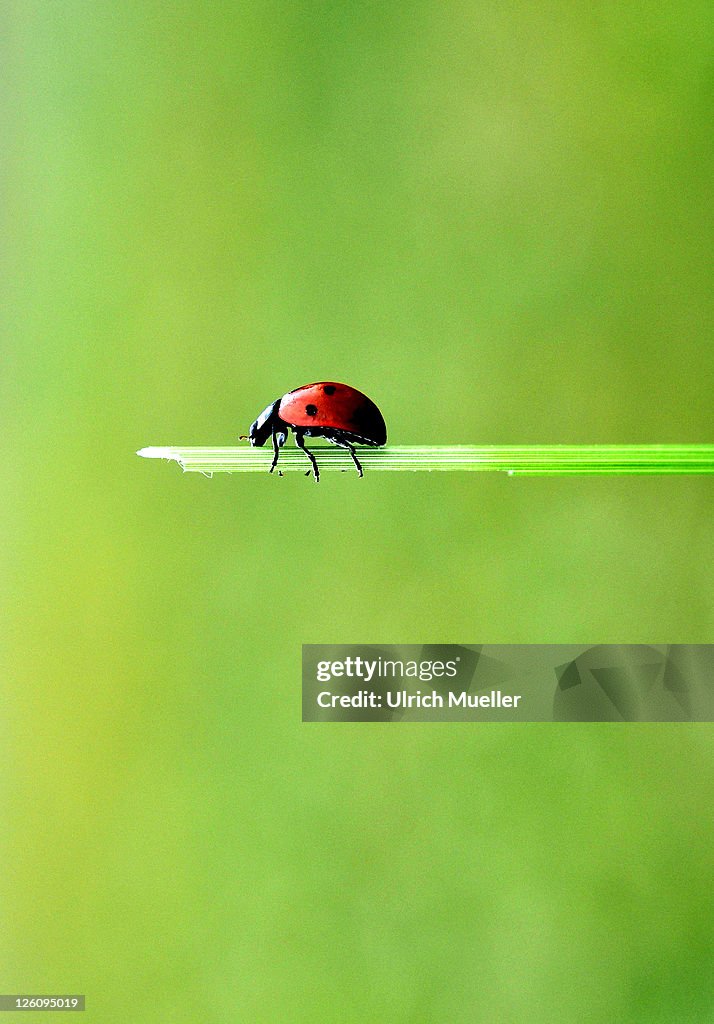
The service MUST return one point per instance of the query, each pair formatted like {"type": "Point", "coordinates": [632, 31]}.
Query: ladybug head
{"type": "Point", "coordinates": [265, 425]}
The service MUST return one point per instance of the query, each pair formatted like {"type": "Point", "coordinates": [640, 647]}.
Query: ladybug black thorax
{"type": "Point", "coordinates": [266, 425]}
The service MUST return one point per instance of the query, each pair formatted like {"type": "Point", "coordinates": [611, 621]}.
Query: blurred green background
{"type": "Point", "coordinates": [495, 219]}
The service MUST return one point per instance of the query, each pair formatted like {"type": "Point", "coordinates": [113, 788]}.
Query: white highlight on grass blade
{"type": "Point", "coordinates": [158, 453]}
{"type": "Point", "coordinates": [515, 460]}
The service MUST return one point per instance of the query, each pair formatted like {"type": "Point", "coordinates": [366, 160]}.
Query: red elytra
{"type": "Point", "coordinates": [337, 412]}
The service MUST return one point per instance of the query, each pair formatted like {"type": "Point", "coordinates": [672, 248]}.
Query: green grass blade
{"type": "Point", "coordinates": [516, 460]}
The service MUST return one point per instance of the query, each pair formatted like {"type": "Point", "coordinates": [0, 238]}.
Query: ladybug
{"type": "Point", "coordinates": [338, 412]}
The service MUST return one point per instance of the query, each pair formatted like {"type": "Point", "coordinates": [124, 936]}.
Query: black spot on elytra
{"type": "Point", "coordinates": [311, 410]}
{"type": "Point", "coordinates": [329, 389]}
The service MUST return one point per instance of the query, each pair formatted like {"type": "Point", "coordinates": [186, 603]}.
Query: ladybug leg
{"type": "Point", "coordinates": [276, 453]}
{"type": "Point", "coordinates": [301, 444]}
{"type": "Point", "coordinates": [356, 461]}
{"type": "Point", "coordinates": [341, 442]}
{"type": "Point", "coordinates": [279, 438]}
